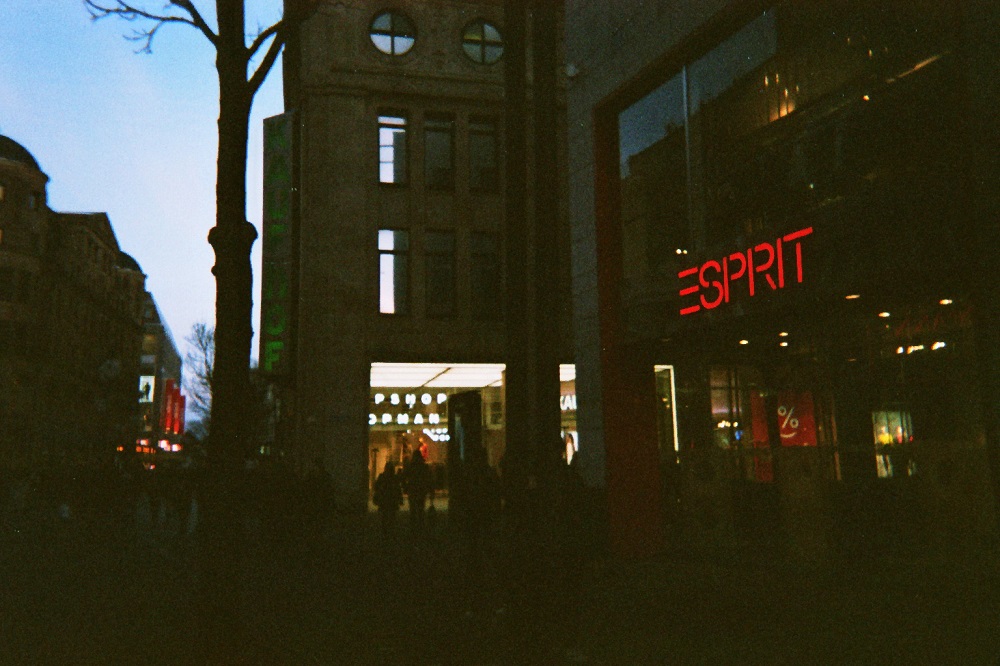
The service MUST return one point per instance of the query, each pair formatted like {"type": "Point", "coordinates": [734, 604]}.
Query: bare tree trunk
{"type": "Point", "coordinates": [229, 439]}
{"type": "Point", "coordinates": [232, 239]}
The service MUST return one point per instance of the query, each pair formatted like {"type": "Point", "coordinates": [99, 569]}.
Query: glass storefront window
{"type": "Point", "coordinates": [666, 413]}
{"type": "Point", "coordinates": [831, 124]}
{"type": "Point", "coordinates": [892, 429]}
{"type": "Point", "coordinates": [812, 113]}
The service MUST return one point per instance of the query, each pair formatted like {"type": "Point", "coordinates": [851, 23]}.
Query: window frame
{"type": "Point", "coordinates": [490, 185]}
{"type": "Point", "coordinates": [448, 120]}
{"type": "Point", "coordinates": [477, 264]}
{"type": "Point", "coordinates": [431, 259]}
{"type": "Point", "coordinates": [383, 123]}
{"type": "Point", "coordinates": [392, 33]}
{"type": "Point", "coordinates": [395, 253]}
{"type": "Point", "coordinates": [482, 43]}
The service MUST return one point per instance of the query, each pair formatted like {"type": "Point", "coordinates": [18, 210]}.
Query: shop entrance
{"type": "Point", "coordinates": [411, 405]}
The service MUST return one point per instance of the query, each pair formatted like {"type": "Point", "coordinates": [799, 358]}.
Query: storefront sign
{"type": "Point", "coordinates": [276, 297]}
{"type": "Point", "coordinates": [407, 408]}
{"type": "Point", "coordinates": [796, 420]}
{"type": "Point", "coordinates": [716, 280]}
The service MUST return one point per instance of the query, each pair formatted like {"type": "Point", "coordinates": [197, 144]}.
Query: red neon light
{"type": "Point", "coordinates": [715, 278]}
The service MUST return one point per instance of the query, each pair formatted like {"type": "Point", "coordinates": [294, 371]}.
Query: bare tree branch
{"type": "Point", "coordinates": [130, 12]}
{"type": "Point", "coordinates": [278, 30]}
{"type": "Point", "coordinates": [200, 365]}
{"type": "Point", "coordinates": [263, 36]}
{"type": "Point", "coordinates": [196, 17]}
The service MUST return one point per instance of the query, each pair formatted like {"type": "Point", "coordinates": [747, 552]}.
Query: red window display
{"type": "Point", "coordinates": [796, 418]}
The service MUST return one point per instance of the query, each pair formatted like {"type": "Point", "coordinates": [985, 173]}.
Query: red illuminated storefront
{"type": "Point", "coordinates": [793, 310]}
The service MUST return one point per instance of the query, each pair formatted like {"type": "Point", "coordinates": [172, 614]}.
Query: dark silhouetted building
{"type": "Point", "coordinates": [784, 222]}
{"type": "Point", "coordinates": [161, 402]}
{"type": "Point", "coordinates": [70, 326]}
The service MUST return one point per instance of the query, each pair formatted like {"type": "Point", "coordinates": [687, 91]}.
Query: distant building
{"type": "Point", "coordinates": [384, 238]}
{"type": "Point", "coordinates": [161, 402]}
{"type": "Point", "coordinates": [70, 326]}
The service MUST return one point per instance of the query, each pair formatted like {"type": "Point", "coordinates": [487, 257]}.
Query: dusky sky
{"type": "Point", "coordinates": [132, 134]}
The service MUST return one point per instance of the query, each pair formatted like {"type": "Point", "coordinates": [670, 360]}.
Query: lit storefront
{"type": "Point", "coordinates": [790, 227]}
{"type": "Point", "coordinates": [409, 410]}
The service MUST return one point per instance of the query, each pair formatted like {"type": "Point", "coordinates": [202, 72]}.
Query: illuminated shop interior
{"type": "Point", "coordinates": [408, 411]}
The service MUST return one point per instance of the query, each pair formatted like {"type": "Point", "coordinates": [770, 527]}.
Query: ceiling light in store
{"type": "Point", "coordinates": [783, 334]}
{"type": "Point", "coordinates": [883, 314]}
{"type": "Point", "coordinates": [744, 342]}
{"type": "Point", "coordinates": [415, 375]}
{"type": "Point", "coordinates": [937, 345]}
{"type": "Point", "coordinates": [899, 350]}
{"type": "Point", "coordinates": [851, 297]}
{"type": "Point", "coordinates": [445, 375]}
{"type": "Point", "coordinates": [782, 344]}
{"type": "Point", "coordinates": [946, 301]}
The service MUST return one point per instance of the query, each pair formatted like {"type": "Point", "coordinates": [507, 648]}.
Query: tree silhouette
{"type": "Point", "coordinates": [231, 436]}
{"type": "Point", "coordinates": [199, 367]}
{"type": "Point", "coordinates": [232, 236]}
{"type": "Point", "coordinates": [199, 363]}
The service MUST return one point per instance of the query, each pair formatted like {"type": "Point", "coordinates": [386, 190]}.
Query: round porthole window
{"type": "Point", "coordinates": [393, 33]}
{"type": "Point", "coordinates": [482, 42]}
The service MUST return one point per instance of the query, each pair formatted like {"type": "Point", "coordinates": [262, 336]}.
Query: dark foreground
{"type": "Point", "coordinates": [123, 589]}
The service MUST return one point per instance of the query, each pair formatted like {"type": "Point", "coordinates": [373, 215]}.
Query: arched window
{"type": "Point", "coordinates": [393, 33]}
{"type": "Point", "coordinates": [482, 42]}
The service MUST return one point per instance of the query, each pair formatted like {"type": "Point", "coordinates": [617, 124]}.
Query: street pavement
{"type": "Point", "coordinates": [100, 588]}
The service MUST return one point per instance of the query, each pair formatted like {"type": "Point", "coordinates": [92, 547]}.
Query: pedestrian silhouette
{"type": "Point", "coordinates": [319, 491]}
{"type": "Point", "coordinates": [417, 483]}
{"type": "Point", "coordinates": [388, 497]}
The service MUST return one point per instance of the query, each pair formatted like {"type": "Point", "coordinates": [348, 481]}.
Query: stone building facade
{"type": "Point", "coordinates": [386, 175]}
{"type": "Point", "coordinates": [70, 311]}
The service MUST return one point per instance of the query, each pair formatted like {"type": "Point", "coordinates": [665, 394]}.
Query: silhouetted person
{"type": "Point", "coordinates": [388, 497]}
{"type": "Point", "coordinates": [480, 506]}
{"type": "Point", "coordinates": [571, 555]}
{"type": "Point", "coordinates": [418, 484]}
{"type": "Point", "coordinates": [319, 494]}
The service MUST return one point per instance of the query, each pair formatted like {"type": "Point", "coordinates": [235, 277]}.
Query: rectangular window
{"type": "Point", "coordinates": [439, 152]}
{"type": "Point", "coordinates": [484, 279]}
{"type": "Point", "coordinates": [393, 272]}
{"type": "Point", "coordinates": [893, 430]}
{"type": "Point", "coordinates": [439, 273]}
{"type": "Point", "coordinates": [483, 172]}
{"type": "Point", "coordinates": [392, 149]}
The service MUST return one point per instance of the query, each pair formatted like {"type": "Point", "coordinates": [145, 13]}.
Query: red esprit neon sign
{"type": "Point", "coordinates": [715, 278]}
